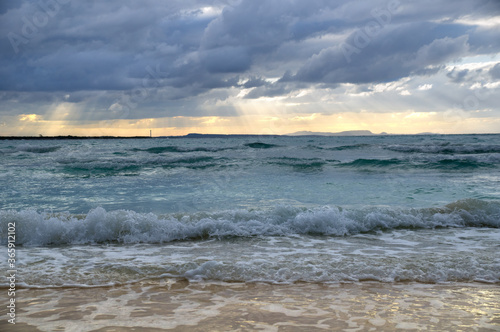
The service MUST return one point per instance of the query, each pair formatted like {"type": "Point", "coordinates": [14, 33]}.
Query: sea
{"type": "Point", "coordinates": [274, 233]}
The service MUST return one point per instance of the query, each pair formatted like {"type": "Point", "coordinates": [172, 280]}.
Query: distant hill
{"type": "Point", "coordinates": [342, 133]}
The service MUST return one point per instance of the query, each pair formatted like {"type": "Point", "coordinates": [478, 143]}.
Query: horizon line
{"type": "Point", "coordinates": [195, 135]}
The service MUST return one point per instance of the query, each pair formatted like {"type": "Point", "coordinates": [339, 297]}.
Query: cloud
{"type": "Point", "coordinates": [425, 87]}
{"type": "Point", "coordinates": [458, 76]}
{"type": "Point", "coordinates": [130, 60]}
{"type": "Point", "coordinates": [440, 51]}
{"type": "Point", "coordinates": [388, 57]}
{"type": "Point", "coordinates": [227, 59]}
{"type": "Point", "coordinates": [268, 90]}
{"type": "Point", "coordinates": [495, 71]}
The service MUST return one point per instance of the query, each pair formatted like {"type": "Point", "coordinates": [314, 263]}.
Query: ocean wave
{"type": "Point", "coordinates": [363, 163]}
{"type": "Point", "coordinates": [451, 163]}
{"type": "Point", "coordinates": [195, 162]}
{"type": "Point", "coordinates": [101, 170]}
{"type": "Point", "coordinates": [260, 145]}
{"type": "Point", "coordinates": [122, 226]}
{"type": "Point", "coordinates": [299, 164]}
{"type": "Point", "coordinates": [339, 148]}
{"type": "Point", "coordinates": [178, 149]}
{"type": "Point", "coordinates": [445, 148]}
{"type": "Point", "coordinates": [37, 149]}
{"type": "Point", "coordinates": [92, 167]}
{"type": "Point", "coordinates": [349, 147]}
{"type": "Point", "coordinates": [458, 164]}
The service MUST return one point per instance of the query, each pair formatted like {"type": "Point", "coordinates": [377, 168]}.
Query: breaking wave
{"type": "Point", "coordinates": [122, 226]}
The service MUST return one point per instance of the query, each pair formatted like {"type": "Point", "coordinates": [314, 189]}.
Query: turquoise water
{"type": "Point", "coordinates": [274, 209]}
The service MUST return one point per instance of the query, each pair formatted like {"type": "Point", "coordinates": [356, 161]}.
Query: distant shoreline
{"type": "Point", "coordinates": [70, 137]}
{"type": "Point", "coordinates": [67, 137]}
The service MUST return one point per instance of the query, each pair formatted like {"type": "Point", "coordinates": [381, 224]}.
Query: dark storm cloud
{"type": "Point", "coordinates": [389, 56]}
{"type": "Point", "coordinates": [227, 59]}
{"type": "Point", "coordinates": [158, 51]}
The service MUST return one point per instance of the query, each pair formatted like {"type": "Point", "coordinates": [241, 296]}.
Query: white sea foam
{"type": "Point", "coordinates": [444, 255]}
{"type": "Point", "coordinates": [100, 226]}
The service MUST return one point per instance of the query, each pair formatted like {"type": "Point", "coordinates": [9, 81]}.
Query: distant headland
{"type": "Point", "coordinates": [67, 137]}
{"type": "Point", "coordinates": [342, 133]}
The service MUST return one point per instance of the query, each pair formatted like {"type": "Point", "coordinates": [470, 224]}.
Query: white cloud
{"type": "Point", "coordinates": [425, 87]}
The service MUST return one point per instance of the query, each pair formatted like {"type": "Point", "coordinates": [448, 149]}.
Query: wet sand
{"type": "Point", "coordinates": [178, 305]}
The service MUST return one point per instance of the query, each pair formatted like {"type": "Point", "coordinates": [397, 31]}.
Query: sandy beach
{"type": "Point", "coordinates": [178, 305]}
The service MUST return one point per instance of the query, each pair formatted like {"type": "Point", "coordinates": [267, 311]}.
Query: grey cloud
{"type": "Point", "coordinates": [118, 40]}
{"type": "Point", "coordinates": [164, 53]}
{"type": "Point", "coordinates": [441, 50]}
{"type": "Point", "coordinates": [457, 76]}
{"type": "Point", "coordinates": [495, 71]}
{"type": "Point", "coordinates": [259, 24]}
{"type": "Point", "coordinates": [254, 82]}
{"type": "Point", "coordinates": [268, 91]}
{"type": "Point", "coordinates": [5, 6]}
{"type": "Point", "coordinates": [388, 56]}
{"type": "Point", "coordinates": [228, 59]}
{"type": "Point", "coordinates": [428, 71]}
{"type": "Point", "coordinates": [485, 41]}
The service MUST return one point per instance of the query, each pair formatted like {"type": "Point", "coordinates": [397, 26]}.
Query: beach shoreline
{"type": "Point", "coordinates": [180, 305]}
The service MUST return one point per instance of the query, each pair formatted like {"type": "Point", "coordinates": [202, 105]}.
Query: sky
{"type": "Point", "coordinates": [123, 67]}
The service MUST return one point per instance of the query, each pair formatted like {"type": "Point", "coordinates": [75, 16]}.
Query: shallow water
{"type": "Point", "coordinates": [180, 305]}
